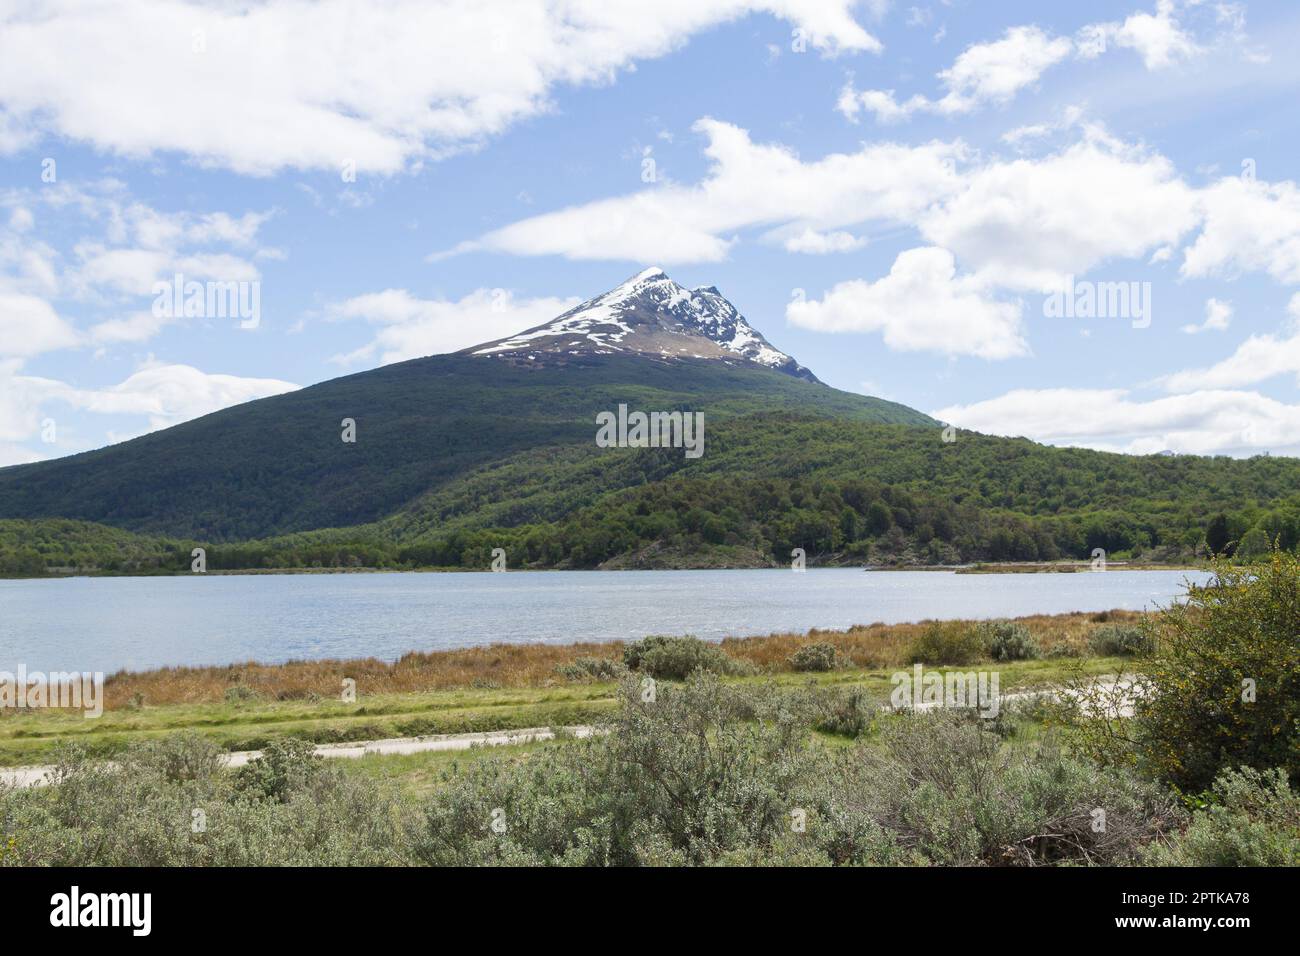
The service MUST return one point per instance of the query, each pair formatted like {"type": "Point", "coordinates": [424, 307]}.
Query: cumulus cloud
{"type": "Point", "coordinates": [1217, 316]}
{"type": "Point", "coordinates": [985, 73]}
{"type": "Point", "coordinates": [922, 305]}
{"type": "Point", "coordinates": [1258, 359]}
{"type": "Point", "coordinates": [1156, 37]}
{"type": "Point", "coordinates": [411, 327]}
{"type": "Point", "coordinates": [1031, 223]}
{"type": "Point", "coordinates": [993, 73]}
{"type": "Point", "coordinates": [1208, 422]}
{"type": "Point", "coordinates": [29, 326]}
{"type": "Point", "coordinates": [303, 80]}
{"type": "Point", "coordinates": [816, 243]}
{"type": "Point", "coordinates": [748, 184]}
{"type": "Point", "coordinates": [161, 394]}
{"type": "Point", "coordinates": [1250, 225]}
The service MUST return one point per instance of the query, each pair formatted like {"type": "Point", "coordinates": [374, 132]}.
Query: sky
{"type": "Point", "coordinates": [1078, 223]}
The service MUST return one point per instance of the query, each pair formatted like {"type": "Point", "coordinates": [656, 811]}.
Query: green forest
{"type": "Point", "coordinates": [846, 493]}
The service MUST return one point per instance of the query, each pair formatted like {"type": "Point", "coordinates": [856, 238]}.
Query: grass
{"type": "Point", "coordinates": [528, 665]}
{"type": "Point", "coordinates": [32, 737]}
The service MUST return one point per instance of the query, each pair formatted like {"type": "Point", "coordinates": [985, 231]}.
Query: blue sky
{"type": "Point", "coordinates": [889, 192]}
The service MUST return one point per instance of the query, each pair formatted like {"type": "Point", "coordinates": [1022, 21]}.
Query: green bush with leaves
{"type": "Point", "coordinates": [1008, 641]}
{"type": "Point", "coordinates": [948, 642]}
{"type": "Point", "coordinates": [170, 803]}
{"type": "Point", "coordinates": [821, 656]}
{"type": "Point", "coordinates": [676, 658]}
{"type": "Point", "coordinates": [1223, 689]}
{"type": "Point", "coordinates": [1121, 640]}
{"type": "Point", "coordinates": [592, 669]}
{"type": "Point", "coordinates": [1250, 819]}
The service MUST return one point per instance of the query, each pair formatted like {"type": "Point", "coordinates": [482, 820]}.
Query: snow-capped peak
{"type": "Point", "coordinates": [649, 314]}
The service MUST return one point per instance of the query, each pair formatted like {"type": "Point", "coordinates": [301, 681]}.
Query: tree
{"type": "Point", "coordinates": [1217, 534]}
{"type": "Point", "coordinates": [879, 518]}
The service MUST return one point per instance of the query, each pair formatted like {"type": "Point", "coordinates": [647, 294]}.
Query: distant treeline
{"type": "Point", "coordinates": [692, 522]}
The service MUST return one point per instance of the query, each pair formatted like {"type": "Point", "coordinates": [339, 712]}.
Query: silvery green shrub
{"type": "Point", "coordinates": [1008, 641]}
{"type": "Point", "coordinates": [676, 658]}
{"type": "Point", "coordinates": [821, 656]}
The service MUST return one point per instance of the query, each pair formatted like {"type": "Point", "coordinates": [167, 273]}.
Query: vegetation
{"type": "Point", "coordinates": [1223, 687]}
{"type": "Point", "coordinates": [447, 467]}
{"type": "Point", "coordinates": [784, 769]}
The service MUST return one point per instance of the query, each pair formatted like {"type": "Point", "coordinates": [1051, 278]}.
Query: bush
{"type": "Point", "coordinates": [591, 669]}
{"type": "Point", "coordinates": [171, 804]}
{"type": "Point", "coordinates": [286, 765]}
{"type": "Point", "coordinates": [241, 693]}
{"type": "Point", "coordinates": [1223, 689]}
{"type": "Point", "coordinates": [1253, 819]}
{"type": "Point", "coordinates": [701, 772]}
{"type": "Point", "coordinates": [948, 642]}
{"type": "Point", "coordinates": [947, 785]}
{"type": "Point", "coordinates": [846, 712]}
{"type": "Point", "coordinates": [1008, 641]}
{"type": "Point", "coordinates": [815, 657]}
{"type": "Point", "coordinates": [676, 658]}
{"type": "Point", "coordinates": [1121, 640]}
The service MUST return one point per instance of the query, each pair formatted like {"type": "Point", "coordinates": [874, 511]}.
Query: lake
{"type": "Point", "coordinates": [106, 624]}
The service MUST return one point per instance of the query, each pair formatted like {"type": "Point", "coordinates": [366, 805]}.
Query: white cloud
{"type": "Point", "coordinates": [993, 73]}
{"type": "Point", "coordinates": [413, 327]}
{"type": "Point", "coordinates": [1259, 358]}
{"type": "Point", "coordinates": [985, 73]}
{"type": "Point", "coordinates": [305, 83]}
{"type": "Point", "coordinates": [164, 395]}
{"type": "Point", "coordinates": [1199, 423]}
{"type": "Point", "coordinates": [1157, 38]}
{"type": "Point", "coordinates": [29, 326]}
{"type": "Point", "coordinates": [1217, 316]}
{"type": "Point", "coordinates": [1250, 225]}
{"type": "Point", "coordinates": [1031, 223]}
{"type": "Point", "coordinates": [922, 305]}
{"type": "Point", "coordinates": [816, 243]}
{"type": "Point", "coordinates": [748, 185]}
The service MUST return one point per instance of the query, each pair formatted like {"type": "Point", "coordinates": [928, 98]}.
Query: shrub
{"type": "Point", "coordinates": [1008, 641]}
{"type": "Point", "coordinates": [1253, 819]}
{"type": "Point", "coordinates": [702, 771]}
{"type": "Point", "coordinates": [846, 712]}
{"type": "Point", "coordinates": [947, 785]}
{"type": "Point", "coordinates": [815, 657]}
{"type": "Point", "coordinates": [241, 693]}
{"type": "Point", "coordinates": [1121, 640]}
{"type": "Point", "coordinates": [170, 804]}
{"type": "Point", "coordinates": [676, 658]}
{"type": "Point", "coordinates": [591, 669]}
{"type": "Point", "coordinates": [948, 642]}
{"type": "Point", "coordinates": [1223, 689]}
{"type": "Point", "coordinates": [284, 766]}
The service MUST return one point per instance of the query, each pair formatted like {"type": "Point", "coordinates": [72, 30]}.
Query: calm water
{"type": "Point", "coordinates": [135, 623]}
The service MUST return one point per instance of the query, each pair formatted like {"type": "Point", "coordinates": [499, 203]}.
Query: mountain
{"type": "Point", "coordinates": [495, 447]}
{"type": "Point", "coordinates": [652, 316]}
{"type": "Point", "coordinates": [278, 465]}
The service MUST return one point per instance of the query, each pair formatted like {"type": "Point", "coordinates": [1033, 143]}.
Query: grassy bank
{"type": "Point", "coordinates": [501, 687]}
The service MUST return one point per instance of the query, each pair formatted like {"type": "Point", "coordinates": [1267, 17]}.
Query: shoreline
{"type": "Point", "coordinates": [1009, 567]}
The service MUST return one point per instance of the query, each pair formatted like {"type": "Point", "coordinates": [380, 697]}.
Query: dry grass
{"type": "Point", "coordinates": [886, 645]}
{"type": "Point", "coordinates": [532, 665]}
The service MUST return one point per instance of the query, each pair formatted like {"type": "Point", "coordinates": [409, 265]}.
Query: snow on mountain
{"type": "Point", "coordinates": [649, 314]}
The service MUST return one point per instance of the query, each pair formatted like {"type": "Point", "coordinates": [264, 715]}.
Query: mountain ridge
{"type": "Point", "coordinates": [651, 315]}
